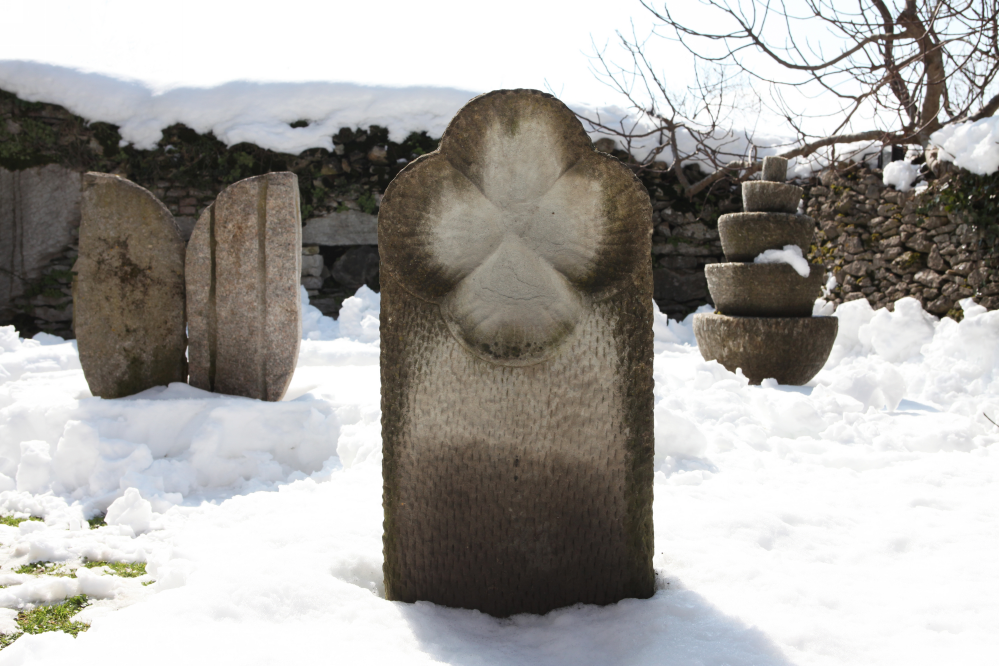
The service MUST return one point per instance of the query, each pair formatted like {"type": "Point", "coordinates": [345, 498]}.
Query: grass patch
{"type": "Point", "coordinates": [43, 567]}
{"type": "Point", "coordinates": [14, 522]}
{"type": "Point", "coordinates": [123, 569]}
{"type": "Point", "coordinates": [97, 521]}
{"type": "Point", "coordinates": [50, 618]}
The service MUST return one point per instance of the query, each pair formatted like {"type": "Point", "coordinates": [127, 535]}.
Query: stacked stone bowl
{"type": "Point", "coordinates": [763, 321]}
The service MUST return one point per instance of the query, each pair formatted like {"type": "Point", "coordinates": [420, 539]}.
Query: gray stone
{"type": "Point", "coordinates": [312, 264]}
{"type": "Point", "coordinates": [744, 236]}
{"type": "Point", "coordinates": [761, 196]}
{"type": "Point", "coordinates": [309, 250]}
{"type": "Point", "coordinates": [935, 260]}
{"type": "Point", "coordinates": [516, 328]}
{"type": "Point", "coordinates": [350, 227]}
{"type": "Point", "coordinates": [763, 290]}
{"type": "Point", "coordinates": [775, 169]}
{"type": "Point", "coordinates": [244, 263]}
{"type": "Point", "coordinates": [312, 283]}
{"type": "Point", "coordinates": [39, 211]}
{"type": "Point", "coordinates": [791, 350]}
{"type": "Point", "coordinates": [679, 286]}
{"type": "Point", "coordinates": [857, 268]}
{"type": "Point", "coordinates": [357, 266]}
{"type": "Point", "coordinates": [128, 296]}
{"type": "Point", "coordinates": [929, 278]}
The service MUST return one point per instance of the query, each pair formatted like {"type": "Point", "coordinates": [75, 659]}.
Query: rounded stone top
{"type": "Point", "coordinates": [514, 226]}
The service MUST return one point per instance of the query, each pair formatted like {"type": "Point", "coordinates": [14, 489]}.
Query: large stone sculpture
{"type": "Point", "coordinates": [764, 323]}
{"type": "Point", "coordinates": [516, 364]}
{"type": "Point", "coordinates": [128, 294]}
{"type": "Point", "coordinates": [244, 312]}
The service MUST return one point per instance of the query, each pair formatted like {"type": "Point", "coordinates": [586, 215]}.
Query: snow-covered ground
{"type": "Point", "coordinates": [851, 521]}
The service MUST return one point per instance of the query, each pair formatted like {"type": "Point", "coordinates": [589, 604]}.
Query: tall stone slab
{"type": "Point", "coordinates": [39, 210]}
{"type": "Point", "coordinates": [244, 262]}
{"type": "Point", "coordinates": [516, 366]}
{"type": "Point", "coordinates": [128, 293]}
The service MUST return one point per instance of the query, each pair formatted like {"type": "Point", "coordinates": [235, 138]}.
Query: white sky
{"type": "Point", "coordinates": [477, 46]}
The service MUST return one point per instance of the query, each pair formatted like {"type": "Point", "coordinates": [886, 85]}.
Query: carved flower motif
{"type": "Point", "coordinates": [515, 226]}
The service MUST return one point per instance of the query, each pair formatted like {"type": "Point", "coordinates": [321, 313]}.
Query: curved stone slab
{"type": "Point", "coordinates": [128, 294]}
{"type": "Point", "coordinates": [516, 328]}
{"type": "Point", "coordinates": [744, 236]}
{"type": "Point", "coordinates": [763, 290]}
{"type": "Point", "coordinates": [791, 350]}
{"type": "Point", "coordinates": [243, 271]}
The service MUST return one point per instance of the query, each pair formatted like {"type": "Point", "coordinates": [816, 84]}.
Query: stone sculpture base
{"type": "Point", "coordinates": [791, 350]}
{"type": "Point", "coordinates": [763, 290]}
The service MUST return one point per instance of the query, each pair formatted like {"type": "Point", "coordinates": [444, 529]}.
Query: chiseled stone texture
{"type": "Point", "coordinates": [244, 262]}
{"type": "Point", "coordinates": [39, 208]}
{"type": "Point", "coordinates": [744, 236]}
{"type": "Point", "coordinates": [791, 350]}
{"type": "Point", "coordinates": [763, 290]}
{"type": "Point", "coordinates": [128, 295]}
{"type": "Point", "coordinates": [764, 196]}
{"type": "Point", "coordinates": [516, 366]}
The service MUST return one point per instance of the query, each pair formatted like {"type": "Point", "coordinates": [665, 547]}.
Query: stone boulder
{"type": "Point", "coordinates": [128, 295]}
{"type": "Point", "coordinates": [351, 227]}
{"type": "Point", "coordinates": [244, 263]}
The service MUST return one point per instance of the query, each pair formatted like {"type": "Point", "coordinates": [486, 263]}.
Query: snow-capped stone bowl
{"type": "Point", "coordinates": [744, 236]}
{"type": "Point", "coordinates": [763, 290]}
{"type": "Point", "coordinates": [763, 196]}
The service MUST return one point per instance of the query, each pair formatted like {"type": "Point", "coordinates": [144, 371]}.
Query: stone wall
{"type": "Point", "coordinates": [884, 245]}
{"type": "Point", "coordinates": [880, 244]}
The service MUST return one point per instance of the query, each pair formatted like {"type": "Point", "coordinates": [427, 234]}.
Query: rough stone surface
{"type": "Point", "coordinates": [244, 263]}
{"type": "Point", "coordinates": [128, 297]}
{"type": "Point", "coordinates": [763, 290]}
{"type": "Point", "coordinates": [516, 367]}
{"type": "Point", "coordinates": [351, 227]}
{"type": "Point", "coordinates": [745, 235]}
{"type": "Point", "coordinates": [39, 210]}
{"type": "Point", "coordinates": [761, 196]}
{"type": "Point", "coordinates": [775, 169]}
{"type": "Point", "coordinates": [791, 350]}
{"type": "Point", "coordinates": [357, 266]}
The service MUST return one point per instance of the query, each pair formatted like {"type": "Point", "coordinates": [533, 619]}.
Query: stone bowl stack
{"type": "Point", "coordinates": [763, 322]}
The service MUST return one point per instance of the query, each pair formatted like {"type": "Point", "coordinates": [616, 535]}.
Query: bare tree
{"type": "Point", "coordinates": [900, 70]}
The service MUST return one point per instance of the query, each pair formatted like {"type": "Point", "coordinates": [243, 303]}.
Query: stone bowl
{"type": "Point", "coordinates": [745, 235]}
{"type": "Point", "coordinates": [763, 196]}
{"type": "Point", "coordinates": [763, 290]}
{"type": "Point", "coordinates": [791, 350]}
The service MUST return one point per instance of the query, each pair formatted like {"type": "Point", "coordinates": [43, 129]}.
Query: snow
{"type": "Point", "coordinates": [261, 113]}
{"type": "Point", "coordinates": [789, 254]}
{"type": "Point", "coordinates": [971, 145]}
{"type": "Point", "coordinates": [900, 175]}
{"type": "Point", "coordinates": [848, 521]}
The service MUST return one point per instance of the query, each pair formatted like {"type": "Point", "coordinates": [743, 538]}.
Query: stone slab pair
{"type": "Point", "coordinates": [239, 289]}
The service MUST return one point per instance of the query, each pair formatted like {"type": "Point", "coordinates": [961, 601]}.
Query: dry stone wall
{"type": "Point", "coordinates": [884, 245]}
{"type": "Point", "coordinates": [870, 235]}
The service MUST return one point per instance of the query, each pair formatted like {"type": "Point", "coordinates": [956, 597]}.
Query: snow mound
{"type": "Point", "coordinates": [900, 175]}
{"type": "Point", "coordinates": [267, 517]}
{"type": "Point", "coordinates": [971, 145]}
{"type": "Point", "coordinates": [790, 254]}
